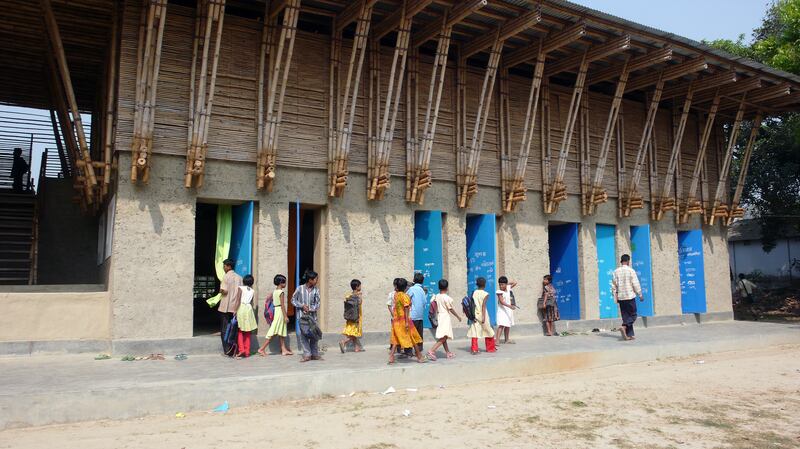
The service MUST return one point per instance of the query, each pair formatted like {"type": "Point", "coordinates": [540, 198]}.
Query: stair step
{"type": "Point", "coordinates": [25, 262]}
{"type": "Point", "coordinates": [13, 270]}
{"type": "Point", "coordinates": [8, 233]}
{"type": "Point", "coordinates": [16, 224]}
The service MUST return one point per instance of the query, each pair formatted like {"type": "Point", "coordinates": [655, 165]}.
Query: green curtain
{"type": "Point", "coordinates": [224, 226]}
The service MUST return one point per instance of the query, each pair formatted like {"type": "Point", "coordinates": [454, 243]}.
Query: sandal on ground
{"type": "Point", "coordinates": [451, 355]}
{"type": "Point", "coordinates": [475, 352]}
{"type": "Point", "coordinates": [287, 353]}
{"type": "Point", "coordinates": [511, 342]}
{"type": "Point", "coordinates": [262, 353]}
{"type": "Point", "coordinates": [431, 356]}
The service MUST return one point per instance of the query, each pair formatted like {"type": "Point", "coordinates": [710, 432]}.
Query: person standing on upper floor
{"type": "Point", "coordinates": [306, 301]}
{"type": "Point", "coordinates": [418, 302]}
{"type": "Point", "coordinates": [625, 288]}
{"type": "Point", "coordinates": [18, 169]}
{"type": "Point", "coordinates": [229, 304]}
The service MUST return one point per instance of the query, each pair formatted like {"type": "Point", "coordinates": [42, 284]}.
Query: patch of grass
{"type": "Point", "coordinates": [766, 414]}
{"type": "Point", "coordinates": [578, 404]}
{"type": "Point", "coordinates": [380, 446]}
{"type": "Point", "coordinates": [716, 423]}
{"type": "Point", "coordinates": [761, 440]}
{"type": "Point", "coordinates": [532, 419]}
{"type": "Point", "coordinates": [650, 410]}
{"type": "Point", "coordinates": [655, 430]}
{"type": "Point", "coordinates": [675, 420]}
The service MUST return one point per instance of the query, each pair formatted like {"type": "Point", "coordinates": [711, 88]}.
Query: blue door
{"type": "Point", "coordinates": [690, 264]}
{"type": "Point", "coordinates": [606, 263]}
{"type": "Point", "coordinates": [242, 238]}
{"type": "Point", "coordinates": [481, 260]}
{"type": "Point", "coordinates": [563, 240]}
{"type": "Point", "coordinates": [428, 252]}
{"type": "Point", "coordinates": [642, 264]}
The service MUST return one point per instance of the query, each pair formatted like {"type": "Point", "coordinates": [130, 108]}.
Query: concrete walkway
{"type": "Point", "coordinates": [43, 390]}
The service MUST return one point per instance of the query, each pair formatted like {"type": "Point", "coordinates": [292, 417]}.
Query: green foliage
{"type": "Point", "coordinates": [777, 40]}
{"type": "Point", "coordinates": [737, 47]}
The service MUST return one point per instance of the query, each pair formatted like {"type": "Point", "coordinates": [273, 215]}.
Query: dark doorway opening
{"type": "Point", "coordinates": [303, 233]}
{"type": "Point", "coordinates": [206, 284]}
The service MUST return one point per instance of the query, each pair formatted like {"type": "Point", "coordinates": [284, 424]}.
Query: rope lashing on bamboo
{"type": "Point", "coordinates": [630, 199]}
{"type": "Point", "coordinates": [665, 201]}
{"type": "Point", "coordinates": [378, 170]}
{"type": "Point", "coordinates": [148, 61]}
{"type": "Point", "coordinates": [279, 54]}
{"type": "Point", "coordinates": [556, 192]}
{"type": "Point", "coordinates": [62, 86]}
{"type": "Point", "coordinates": [691, 205]}
{"type": "Point", "coordinates": [343, 101]}
{"type": "Point", "coordinates": [203, 84]}
{"type": "Point", "coordinates": [734, 210]}
{"type": "Point", "coordinates": [717, 209]}
{"type": "Point", "coordinates": [469, 157]}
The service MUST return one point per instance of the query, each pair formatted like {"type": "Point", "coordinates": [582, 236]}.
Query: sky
{"type": "Point", "coordinates": [695, 19]}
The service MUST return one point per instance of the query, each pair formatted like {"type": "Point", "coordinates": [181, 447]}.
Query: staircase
{"type": "Point", "coordinates": [17, 227]}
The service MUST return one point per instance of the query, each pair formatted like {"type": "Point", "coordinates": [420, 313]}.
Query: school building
{"type": "Point", "coordinates": [364, 139]}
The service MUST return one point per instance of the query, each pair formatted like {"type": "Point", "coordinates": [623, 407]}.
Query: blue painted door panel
{"type": "Point", "coordinates": [641, 261]}
{"type": "Point", "coordinates": [690, 263]}
{"type": "Point", "coordinates": [428, 252]}
{"type": "Point", "coordinates": [606, 263]}
{"type": "Point", "coordinates": [563, 240]}
{"type": "Point", "coordinates": [481, 259]}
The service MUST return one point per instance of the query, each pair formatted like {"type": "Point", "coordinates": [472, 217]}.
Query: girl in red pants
{"type": "Point", "coordinates": [245, 316]}
{"type": "Point", "coordinates": [481, 327]}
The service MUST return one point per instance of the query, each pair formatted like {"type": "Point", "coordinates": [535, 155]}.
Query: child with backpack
{"type": "Point", "coordinates": [280, 318]}
{"type": "Point", "coordinates": [353, 318]}
{"type": "Point", "coordinates": [440, 311]}
{"type": "Point", "coordinates": [480, 326]}
{"type": "Point", "coordinates": [245, 317]}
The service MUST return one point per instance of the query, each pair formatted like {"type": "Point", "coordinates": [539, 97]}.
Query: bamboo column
{"type": "Point", "coordinates": [346, 99]}
{"type": "Point", "coordinates": [546, 140]}
{"type": "Point", "coordinates": [622, 158]}
{"type": "Point", "coordinates": [718, 210]}
{"type": "Point", "coordinates": [735, 211]}
{"type": "Point", "coordinates": [148, 61]}
{"type": "Point", "coordinates": [585, 153]}
{"type": "Point", "coordinates": [379, 181]}
{"type": "Point", "coordinates": [557, 191]}
{"type": "Point", "coordinates": [111, 91]}
{"type": "Point", "coordinates": [470, 160]}
{"type": "Point", "coordinates": [691, 205]}
{"type": "Point", "coordinates": [202, 87]}
{"type": "Point", "coordinates": [665, 201]}
{"type": "Point", "coordinates": [630, 198]}
{"type": "Point", "coordinates": [65, 89]}
{"type": "Point", "coordinates": [280, 60]}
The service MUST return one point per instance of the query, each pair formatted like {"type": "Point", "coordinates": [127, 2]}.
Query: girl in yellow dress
{"type": "Point", "coordinates": [404, 334]}
{"type": "Point", "coordinates": [352, 329]}
{"type": "Point", "coordinates": [280, 319]}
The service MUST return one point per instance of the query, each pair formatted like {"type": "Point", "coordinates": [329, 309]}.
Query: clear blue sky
{"type": "Point", "coordinates": [695, 19]}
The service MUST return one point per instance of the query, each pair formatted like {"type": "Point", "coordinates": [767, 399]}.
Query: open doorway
{"type": "Point", "coordinates": [303, 232]}
{"type": "Point", "coordinates": [222, 231]}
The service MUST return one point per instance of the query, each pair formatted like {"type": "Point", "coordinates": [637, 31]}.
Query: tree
{"type": "Point", "coordinates": [772, 188]}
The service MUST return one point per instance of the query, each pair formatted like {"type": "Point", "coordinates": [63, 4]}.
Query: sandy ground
{"type": "Point", "coordinates": [747, 399]}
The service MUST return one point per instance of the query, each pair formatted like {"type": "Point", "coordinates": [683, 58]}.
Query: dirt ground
{"type": "Point", "coordinates": [747, 399]}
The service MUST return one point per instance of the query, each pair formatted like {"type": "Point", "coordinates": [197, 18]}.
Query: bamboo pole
{"type": "Point", "coordinates": [585, 155]}
{"type": "Point", "coordinates": [111, 90]}
{"type": "Point", "coordinates": [691, 205]}
{"type": "Point", "coordinates": [735, 211]}
{"type": "Point", "coordinates": [718, 210]}
{"type": "Point", "coordinates": [665, 201]}
{"type": "Point", "coordinates": [545, 135]}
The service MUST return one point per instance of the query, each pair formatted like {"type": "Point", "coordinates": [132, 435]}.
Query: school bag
{"type": "Point", "coordinates": [269, 310]}
{"type": "Point", "coordinates": [351, 308]}
{"type": "Point", "coordinates": [468, 307]}
{"type": "Point", "coordinates": [433, 312]}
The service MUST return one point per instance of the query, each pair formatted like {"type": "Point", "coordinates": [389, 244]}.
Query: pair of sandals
{"type": "Point", "coordinates": [432, 356]}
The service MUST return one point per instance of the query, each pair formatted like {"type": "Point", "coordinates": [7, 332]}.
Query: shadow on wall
{"type": "Point", "coordinates": [154, 208]}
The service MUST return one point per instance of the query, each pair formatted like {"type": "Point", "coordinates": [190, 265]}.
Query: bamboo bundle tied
{"type": "Point", "coordinates": [148, 61]}
{"type": "Point", "coordinates": [63, 90]}
{"type": "Point", "coordinates": [278, 47]}
{"type": "Point", "coordinates": [665, 201]}
{"type": "Point", "coordinates": [378, 180]}
{"type": "Point", "coordinates": [343, 101]}
{"type": "Point", "coordinates": [469, 157]}
{"type": "Point", "coordinates": [630, 198]}
{"type": "Point", "coordinates": [109, 130]}
{"type": "Point", "coordinates": [556, 192]}
{"type": "Point", "coordinates": [690, 204]}
{"type": "Point", "coordinates": [717, 209]}
{"type": "Point", "coordinates": [203, 84]}
{"type": "Point", "coordinates": [734, 210]}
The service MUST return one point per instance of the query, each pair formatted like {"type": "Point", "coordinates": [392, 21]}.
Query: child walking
{"type": "Point", "coordinates": [505, 309]}
{"type": "Point", "coordinates": [404, 333]}
{"type": "Point", "coordinates": [245, 316]}
{"type": "Point", "coordinates": [444, 305]}
{"type": "Point", "coordinates": [549, 305]}
{"type": "Point", "coordinates": [352, 328]}
{"type": "Point", "coordinates": [281, 318]}
{"type": "Point", "coordinates": [481, 327]}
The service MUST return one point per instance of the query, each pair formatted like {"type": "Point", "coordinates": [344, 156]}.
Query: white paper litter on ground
{"type": "Point", "coordinates": [412, 390]}
{"type": "Point", "coordinates": [406, 413]}
{"type": "Point", "coordinates": [389, 390]}
{"type": "Point", "coordinates": [492, 406]}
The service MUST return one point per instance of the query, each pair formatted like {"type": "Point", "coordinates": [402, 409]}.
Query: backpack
{"type": "Point", "coordinates": [269, 310]}
{"type": "Point", "coordinates": [433, 312]}
{"type": "Point", "coordinates": [351, 308]}
{"type": "Point", "coordinates": [468, 307]}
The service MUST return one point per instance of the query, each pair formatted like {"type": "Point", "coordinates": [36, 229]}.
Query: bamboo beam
{"type": "Point", "coordinates": [665, 201]}
{"type": "Point", "coordinates": [455, 15]}
{"type": "Point", "coordinates": [346, 98]}
{"type": "Point", "coordinates": [394, 20]}
{"type": "Point", "coordinates": [792, 98]}
{"type": "Point", "coordinates": [559, 39]}
{"type": "Point", "coordinates": [280, 49]}
{"type": "Point", "coordinates": [734, 211]}
{"type": "Point", "coordinates": [275, 8]}
{"type": "Point", "coordinates": [715, 211]}
{"type": "Point", "coordinates": [670, 73]}
{"type": "Point", "coordinates": [420, 178]}
{"type": "Point", "coordinates": [593, 53]}
{"type": "Point", "coordinates": [631, 65]}
{"type": "Point", "coordinates": [691, 205]}
{"type": "Point", "coordinates": [700, 84]}
{"type": "Point", "coordinates": [630, 199]}
{"type": "Point", "coordinates": [557, 191]}
{"type": "Point", "coordinates": [352, 12]}
{"type": "Point", "coordinates": [737, 88]}
{"type": "Point", "coordinates": [757, 97]}
{"type": "Point", "coordinates": [65, 84]}
{"type": "Point", "coordinates": [214, 12]}
{"type": "Point", "coordinates": [509, 29]}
